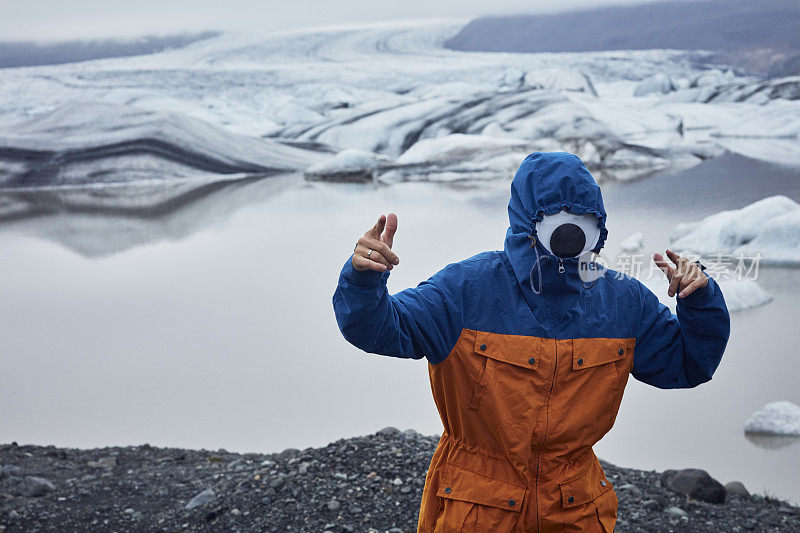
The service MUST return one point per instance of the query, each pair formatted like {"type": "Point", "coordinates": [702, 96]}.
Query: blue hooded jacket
{"type": "Point", "coordinates": [491, 291]}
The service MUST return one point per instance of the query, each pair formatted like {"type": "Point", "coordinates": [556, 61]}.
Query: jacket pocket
{"type": "Point", "coordinates": [494, 350]}
{"type": "Point", "coordinates": [611, 354]}
{"type": "Point", "coordinates": [489, 502]}
{"type": "Point", "coordinates": [606, 508]}
{"type": "Point", "coordinates": [589, 499]}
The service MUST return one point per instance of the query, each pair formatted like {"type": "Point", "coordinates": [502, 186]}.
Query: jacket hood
{"type": "Point", "coordinates": [546, 183]}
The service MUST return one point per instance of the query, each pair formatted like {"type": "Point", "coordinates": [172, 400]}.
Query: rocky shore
{"type": "Point", "coordinates": [369, 483]}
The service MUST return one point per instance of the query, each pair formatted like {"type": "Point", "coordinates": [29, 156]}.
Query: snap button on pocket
{"type": "Point", "coordinates": [570, 499]}
{"type": "Point", "coordinates": [621, 351]}
{"type": "Point", "coordinates": [448, 490]}
{"type": "Point", "coordinates": [580, 361]}
{"type": "Point", "coordinates": [532, 360]}
{"type": "Point", "coordinates": [483, 346]}
{"type": "Point", "coordinates": [511, 502]}
{"type": "Point", "coordinates": [603, 482]}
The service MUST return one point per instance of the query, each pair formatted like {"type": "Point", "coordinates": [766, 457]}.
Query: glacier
{"type": "Point", "coordinates": [768, 229]}
{"type": "Point", "coordinates": [286, 101]}
{"type": "Point", "coordinates": [96, 142]}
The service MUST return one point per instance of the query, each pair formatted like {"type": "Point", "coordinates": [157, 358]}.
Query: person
{"type": "Point", "coordinates": [527, 359]}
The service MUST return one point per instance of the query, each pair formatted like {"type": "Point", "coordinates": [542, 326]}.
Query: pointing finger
{"type": "Point", "coordinates": [675, 258]}
{"type": "Point", "coordinates": [663, 265]}
{"type": "Point", "coordinates": [375, 231]}
{"type": "Point", "coordinates": [391, 228]}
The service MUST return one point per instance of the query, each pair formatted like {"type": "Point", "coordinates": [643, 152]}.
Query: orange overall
{"type": "Point", "coordinates": [520, 416]}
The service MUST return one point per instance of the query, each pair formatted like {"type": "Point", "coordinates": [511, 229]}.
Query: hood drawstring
{"type": "Point", "coordinates": [537, 266]}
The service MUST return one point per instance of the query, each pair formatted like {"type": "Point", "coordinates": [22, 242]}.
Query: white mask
{"type": "Point", "coordinates": [566, 235]}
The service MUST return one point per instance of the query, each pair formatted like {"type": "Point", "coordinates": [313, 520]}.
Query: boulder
{"type": "Point", "coordinates": [207, 496]}
{"type": "Point", "coordinates": [736, 487]}
{"type": "Point", "coordinates": [32, 486]}
{"type": "Point", "coordinates": [694, 483]}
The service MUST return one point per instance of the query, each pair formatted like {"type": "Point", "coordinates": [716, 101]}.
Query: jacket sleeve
{"type": "Point", "coordinates": [683, 350]}
{"type": "Point", "coordinates": [422, 321]}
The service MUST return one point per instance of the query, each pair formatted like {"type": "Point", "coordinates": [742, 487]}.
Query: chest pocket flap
{"type": "Point", "coordinates": [458, 483]}
{"type": "Point", "coordinates": [588, 353]}
{"type": "Point", "coordinates": [519, 350]}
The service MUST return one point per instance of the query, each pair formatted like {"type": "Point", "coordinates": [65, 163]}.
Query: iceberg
{"type": "Point", "coordinates": [632, 243]}
{"type": "Point", "coordinates": [740, 294]}
{"type": "Point", "coordinates": [775, 418]}
{"type": "Point", "coordinates": [350, 165]}
{"type": "Point", "coordinates": [94, 142]}
{"type": "Point", "coordinates": [768, 228]}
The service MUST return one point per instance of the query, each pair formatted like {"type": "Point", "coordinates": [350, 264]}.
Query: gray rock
{"type": "Point", "coordinates": [736, 487]}
{"type": "Point", "coordinates": [388, 432]}
{"type": "Point", "coordinates": [651, 505]}
{"type": "Point", "coordinates": [694, 483]}
{"type": "Point", "coordinates": [409, 434]}
{"type": "Point", "coordinates": [207, 496]}
{"type": "Point", "coordinates": [631, 489]}
{"type": "Point", "coordinates": [10, 470]}
{"type": "Point", "coordinates": [334, 505]}
{"type": "Point", "coordinates": [32, 486]}
{"type": "Point", "coordinates": [103, 462]}
{"type": "Point", "coordinates": [677, 512]}
{"type": "Point", "coordinates": [288, 453]}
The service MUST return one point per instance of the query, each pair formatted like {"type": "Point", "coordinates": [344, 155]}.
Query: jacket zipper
{"type": "Point", "coordinates": [561, 270]}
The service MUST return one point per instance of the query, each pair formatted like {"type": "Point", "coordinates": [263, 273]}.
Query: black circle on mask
{"type": "Point", "coordinates": [567, 240]}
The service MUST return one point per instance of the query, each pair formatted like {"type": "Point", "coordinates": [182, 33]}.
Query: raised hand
{"type": "Point", "coordinates": [374, 250]}
{"type": "Point", "coordinates": [685, 278]}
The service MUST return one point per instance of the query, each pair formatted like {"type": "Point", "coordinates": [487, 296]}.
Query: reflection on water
{"type": "Point", "coordinates": [772, 442]}
{"type": "Point", "coordinates": [98, 221]}
{"type": "Point", "coordinates": [200, 315]}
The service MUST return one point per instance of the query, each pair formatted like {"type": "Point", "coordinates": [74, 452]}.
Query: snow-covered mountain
{"type": "Point", "coordinates": [391, 89]}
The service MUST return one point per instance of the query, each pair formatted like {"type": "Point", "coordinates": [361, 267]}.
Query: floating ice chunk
{"type": "Point", "coordinates": [775, 418]}
{"type": "Point", "coordinates": [780, 236]}
{"type": "Point", "coordinates": [351, 164]}
{"type": "Point", "coordinates": [740, 294]}
{"type": "Point", "coordinates": [656, 84]}
{"type": "Point", "coordinates": [457, 147]}
{"type": "Point", "coordinates": [769, 227]}
{"type": "Point", "coordinates": [632, 243]}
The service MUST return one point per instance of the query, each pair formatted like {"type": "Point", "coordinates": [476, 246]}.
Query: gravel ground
{"type": "Point", "coordinates": [369, 483]}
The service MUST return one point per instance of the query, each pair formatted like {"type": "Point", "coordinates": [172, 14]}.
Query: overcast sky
{"type": "Point", "coordinates": [81, 19]}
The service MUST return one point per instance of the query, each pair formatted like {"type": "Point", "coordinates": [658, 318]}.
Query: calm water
{"type": "Point", "coordinates": [202, 318]}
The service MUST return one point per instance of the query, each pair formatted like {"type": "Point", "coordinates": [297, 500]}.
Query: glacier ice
{"type": "Point", "coordinates": [350, 164]}
{"type": "Point", "coordinates": [775, 418]}
{"type": "Point", "coordinates": [740, 294]}
{"type": "Point", "coordinates": [632, 243]}
{"type": "Point", "coordinates": [658, 83]}
{"type": "Point", "coordinates": [386, 88]}
{"type": "Point", "coordinates": [92, 142]}
{"type": "Point", "coordinates": [769, 227]}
